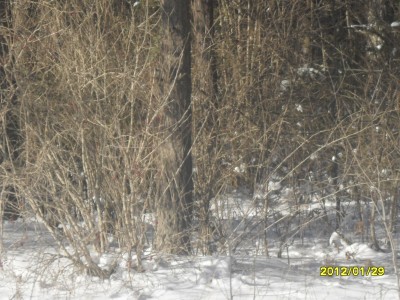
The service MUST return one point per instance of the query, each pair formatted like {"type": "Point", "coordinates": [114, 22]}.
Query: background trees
{"type": "Point", "coordinates": [294, 103]}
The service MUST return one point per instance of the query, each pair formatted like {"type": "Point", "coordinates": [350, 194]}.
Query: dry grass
{"type": "Point", "coordinates": [276, 94]}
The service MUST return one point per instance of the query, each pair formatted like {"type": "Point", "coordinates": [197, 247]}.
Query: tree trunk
{"type": "Point", "coordinates": [394, 211]}
{"type": "Point", "coordinates": [205, 89]}
{"type": "Point", "coordinates": [10, 141]}
{"type": "Point", "coordinates": [174, 206]}
{"type": "Point", "coordinates": [374, 240]}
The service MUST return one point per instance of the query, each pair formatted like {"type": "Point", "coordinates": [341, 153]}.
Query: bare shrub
{"type": "Point", "coordinates": [85, 84]}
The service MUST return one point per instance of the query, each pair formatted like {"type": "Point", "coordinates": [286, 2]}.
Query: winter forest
{"type": "Point", "coordinates": [240, 144]}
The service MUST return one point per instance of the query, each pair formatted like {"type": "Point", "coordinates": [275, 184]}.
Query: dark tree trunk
{"type": "Point", "coordinates": [205, 88]}
{"type": "Point", "coordinates": [10, 138]}
{"type": "Point", "coordinates": [174, 206]}
{"type": "Point", "coordinates": [374, 239]}
{"type": "Point", "coordinates": [5, 103]}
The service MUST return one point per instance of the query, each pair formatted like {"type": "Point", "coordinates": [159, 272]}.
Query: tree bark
{"type": "Point", "coordinates": [205, 89]}
{"type": "Point", "coordinates": [174, 206]}
{"type": "Point", "coordinates": [10, 136]}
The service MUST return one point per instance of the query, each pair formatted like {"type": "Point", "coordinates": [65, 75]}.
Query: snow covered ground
{"type": "Point", "coordinates": [31, 266]}
{"type": "Point", "coordinates": [31, 269]}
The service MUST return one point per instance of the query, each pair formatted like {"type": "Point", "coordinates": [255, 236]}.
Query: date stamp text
{"type": "Point", "coordinates": [331, 271]}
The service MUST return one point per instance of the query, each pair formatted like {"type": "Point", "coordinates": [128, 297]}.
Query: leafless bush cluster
{"type": "Point", "coordinates": [295, 102]}
{"type": "Point", "coordinates": [83, 77]}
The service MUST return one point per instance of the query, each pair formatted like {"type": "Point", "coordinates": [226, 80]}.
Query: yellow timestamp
{"type": "Point", "coordinates": [351, 271]}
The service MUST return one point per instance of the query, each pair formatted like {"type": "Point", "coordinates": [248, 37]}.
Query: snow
{"type": "Point", "coordinates": [240, 169]}
{"type": "Point", "coordinates": [299, 107]}
{"type": "Point", "coordinates": [362, 26]}
{"type": "Point", "coordinates": [274, 185]}
{"type": "Point", "coordinates": [395, 24]}
{"type": "Point", "coordinates": [337, 241]}
{"type": "Point", "coordinates": [198, 278]}
{"type": "Point", "coordinates": [285, 84]}
{"type": "Point", "coordinates": [312, 72]}
{"type": "Point", "coordinates": [32, 268]}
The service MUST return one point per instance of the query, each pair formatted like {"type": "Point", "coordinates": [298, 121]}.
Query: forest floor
{"type": "Point", "coordinates": [31, 268]}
